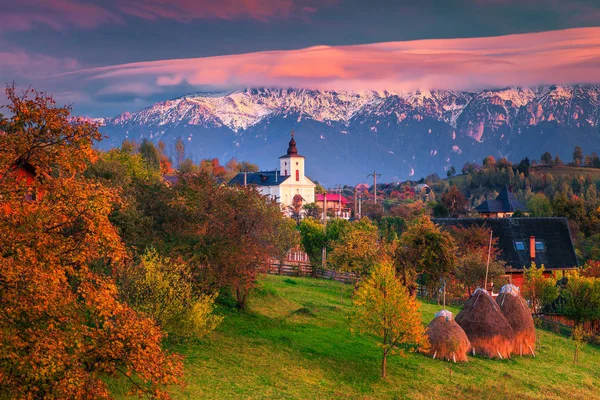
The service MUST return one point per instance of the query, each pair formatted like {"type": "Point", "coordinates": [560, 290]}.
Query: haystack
{"type": "Point", "coordinates": [515, 309]}
{"type": "Point", "coordinates": [486, 327]}
{"type": "Point", "coordinates": [447, 339]}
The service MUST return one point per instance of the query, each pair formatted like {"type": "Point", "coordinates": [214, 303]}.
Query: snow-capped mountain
{"type": "Point", "coordinates": [345, 134]}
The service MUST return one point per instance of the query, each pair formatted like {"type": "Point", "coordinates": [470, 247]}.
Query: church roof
{"type": "Point", "coordinates": [505, 202]}
{"type": "Point", "coordinates": [262, 178]}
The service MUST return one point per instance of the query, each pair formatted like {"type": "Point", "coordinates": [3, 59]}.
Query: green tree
{"type": "Point", "coordinates": [187, 166]}
{"type": "Point", "coordinates": [558, 161]}
{"type": "Point", "coordinates": [179, 151]}
{"type": "Point", "coordinates": [581, 298]}
{"type": "Point", "coordinates": [312, 238]}
{"type": "Point", "coordinates": [383, 308]}
{"type": "Point", "coordinates": [539, 290]}
{"type": "Point", "coordinates": [286, 237]}
{"type": "Point", "coordinates": [539, 206]}
{"type": "Point", "coordinates": [163, 289]}
{"type": "Point", "coordinates": [357, 248]}
{"type": "Point", "coordinates": [546, 158]}
{"type": "Point", "coordinates": [150, 154]}
{"type": "Point", "coordinates": [577, 155]}
{"type": "Point", "coordinates": [472, 247]}
{"type": "Point", "coordinates": [424, 248]}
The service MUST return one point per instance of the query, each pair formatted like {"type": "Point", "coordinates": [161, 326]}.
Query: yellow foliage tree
{"type": "Point", "coordinates": [383, 307]}
{"type": "Point", "coordinates": [357, 249]}
{"type": "Point", "coordinates": [163, 289]}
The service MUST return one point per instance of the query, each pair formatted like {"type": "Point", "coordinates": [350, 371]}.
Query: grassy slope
{"type": "Point", "coordinates": [570, 172]}
{"type": "Point", "coordinates": [276, 351]}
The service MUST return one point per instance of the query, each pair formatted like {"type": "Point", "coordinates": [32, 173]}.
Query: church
{"type": "Point", "coordinates": [287, 185]}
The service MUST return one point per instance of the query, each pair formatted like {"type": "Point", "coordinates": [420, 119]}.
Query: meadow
{"type": "Point", "coordinates": [294, 342]}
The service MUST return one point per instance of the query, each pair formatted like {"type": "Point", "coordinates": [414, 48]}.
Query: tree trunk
{"type": "Point", "coordinates": [240, 300]}
{"type": "Point", "coordinates": [383, 364]}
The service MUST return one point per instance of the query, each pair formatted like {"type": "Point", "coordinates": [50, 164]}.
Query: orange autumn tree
{"type": "Point", "coordinates": [62, 326]}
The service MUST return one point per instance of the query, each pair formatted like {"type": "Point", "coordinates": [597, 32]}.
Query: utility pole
{"type": "Point", "coordinates": [355, 203]}
{"type": "Point", "coordinates": [360, 206]}
{"type": "Point", "coordinates": [339, 189]}
{"type": "Point", "coordinates": [324, 251]}
{"type": "Point", "coordinates": [374, 175]}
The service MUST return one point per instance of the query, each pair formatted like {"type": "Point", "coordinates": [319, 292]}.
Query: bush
{"type": "Point", "coordinates": [162, 289]}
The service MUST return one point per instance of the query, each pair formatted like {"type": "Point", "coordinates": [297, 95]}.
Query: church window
{"type": "Point", "coordinates": [296, 162]}
{"type": "Point", "coordinates": [297, 175]}
{"type": "Point", "coordinates": [285, 172]}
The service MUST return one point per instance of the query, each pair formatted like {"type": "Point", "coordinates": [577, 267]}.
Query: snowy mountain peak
{"type": "Point", "coordinates": [241, 109]}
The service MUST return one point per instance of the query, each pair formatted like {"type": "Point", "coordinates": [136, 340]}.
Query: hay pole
{"type": "Point", "coordinates": [487, 267]}
{"type": "Point", "coordinates": [532, 352]}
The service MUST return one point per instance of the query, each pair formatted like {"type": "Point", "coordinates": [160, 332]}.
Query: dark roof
{"type": "Point", "coordinates": [505, 202]}
{"type": "Point", "coordinates": [553, 232]}
{"type": "Point", "coordinates": [263, 178]}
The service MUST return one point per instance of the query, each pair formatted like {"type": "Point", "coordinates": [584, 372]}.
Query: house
{"type": "Point", "coordinates": [505, 205]}
{"type": "Point", "coordinates": [521, 241]}
{"type": "Point", "coordinates": [336, 204]}
{"type": "Point", "coordinates": [362, 187]}
{"type": "Point", "coordinates": [287, 185]}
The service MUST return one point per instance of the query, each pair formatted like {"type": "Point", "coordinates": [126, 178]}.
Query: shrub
{"type": "Point", "coordinates": [162, 289]}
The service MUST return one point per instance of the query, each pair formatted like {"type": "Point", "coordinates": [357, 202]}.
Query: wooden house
{"type": "Point", "coordinates": [521, 241]}
{"type": "Point", "coordinates": [504, 206]}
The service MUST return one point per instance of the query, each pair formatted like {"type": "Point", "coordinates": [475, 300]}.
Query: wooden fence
{"type": "Point", "coordinates": [592, 327]}
{"type": "Point", "coordinates": [291, 268]}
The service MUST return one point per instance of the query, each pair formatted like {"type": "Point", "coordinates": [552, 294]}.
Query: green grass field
{"type": "Point", "coordinates": [294, 343]}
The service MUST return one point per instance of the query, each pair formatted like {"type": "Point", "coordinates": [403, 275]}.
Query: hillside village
{"type": "Point", "coordinates": [109, 252]}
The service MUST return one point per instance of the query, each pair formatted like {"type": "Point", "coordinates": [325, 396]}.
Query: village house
{"type": "Point", "coordinates": [522, 241]}
{"type": "Point", "coordinates": [287, 185]}
{"type": "Point", "coordinates": [336, 204]}
{"type": "Point", "coordinates": [504, 206]}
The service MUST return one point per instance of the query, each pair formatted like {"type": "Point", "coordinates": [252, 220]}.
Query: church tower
{"type": "Point", "coordinates": [292, 163]}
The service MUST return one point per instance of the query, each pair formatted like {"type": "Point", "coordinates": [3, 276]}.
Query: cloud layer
{"type": "Point", "coordinates": [555, 57]}
{"type": "Point", "coordinates": [59, 15]}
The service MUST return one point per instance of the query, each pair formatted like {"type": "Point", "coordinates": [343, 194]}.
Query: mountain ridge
{"type": "Point", "coordinates": [404, 133]}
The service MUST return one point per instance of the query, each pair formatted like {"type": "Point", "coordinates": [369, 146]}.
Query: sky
{"type": "Point", "coordinates": [109, 56]}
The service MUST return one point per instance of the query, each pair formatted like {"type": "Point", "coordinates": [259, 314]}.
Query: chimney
{"type": "Point", "coordinates": [532, 248]}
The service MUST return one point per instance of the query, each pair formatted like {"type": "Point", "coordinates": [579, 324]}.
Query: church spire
{"type": "Point", "coordinates": [292, 150]}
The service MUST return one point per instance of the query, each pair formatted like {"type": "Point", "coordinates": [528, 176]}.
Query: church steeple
{"type": "Point", "coordinates": [292, 150]}
{"type": "Point", "coordinates": [292, 163]}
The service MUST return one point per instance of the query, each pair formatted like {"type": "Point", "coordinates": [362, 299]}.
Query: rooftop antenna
{"type": "Point", "coordinates": [374, 175]}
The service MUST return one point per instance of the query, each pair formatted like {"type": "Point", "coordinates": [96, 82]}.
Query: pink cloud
{"type": "Point", "coordinates": [21, 64]}
{"type": "Point", "coordinates": [555, 57]}
{"type": "Point", "coordinates": [61, 14]}
{"type": "Point", "coordinates": [56, 14]}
